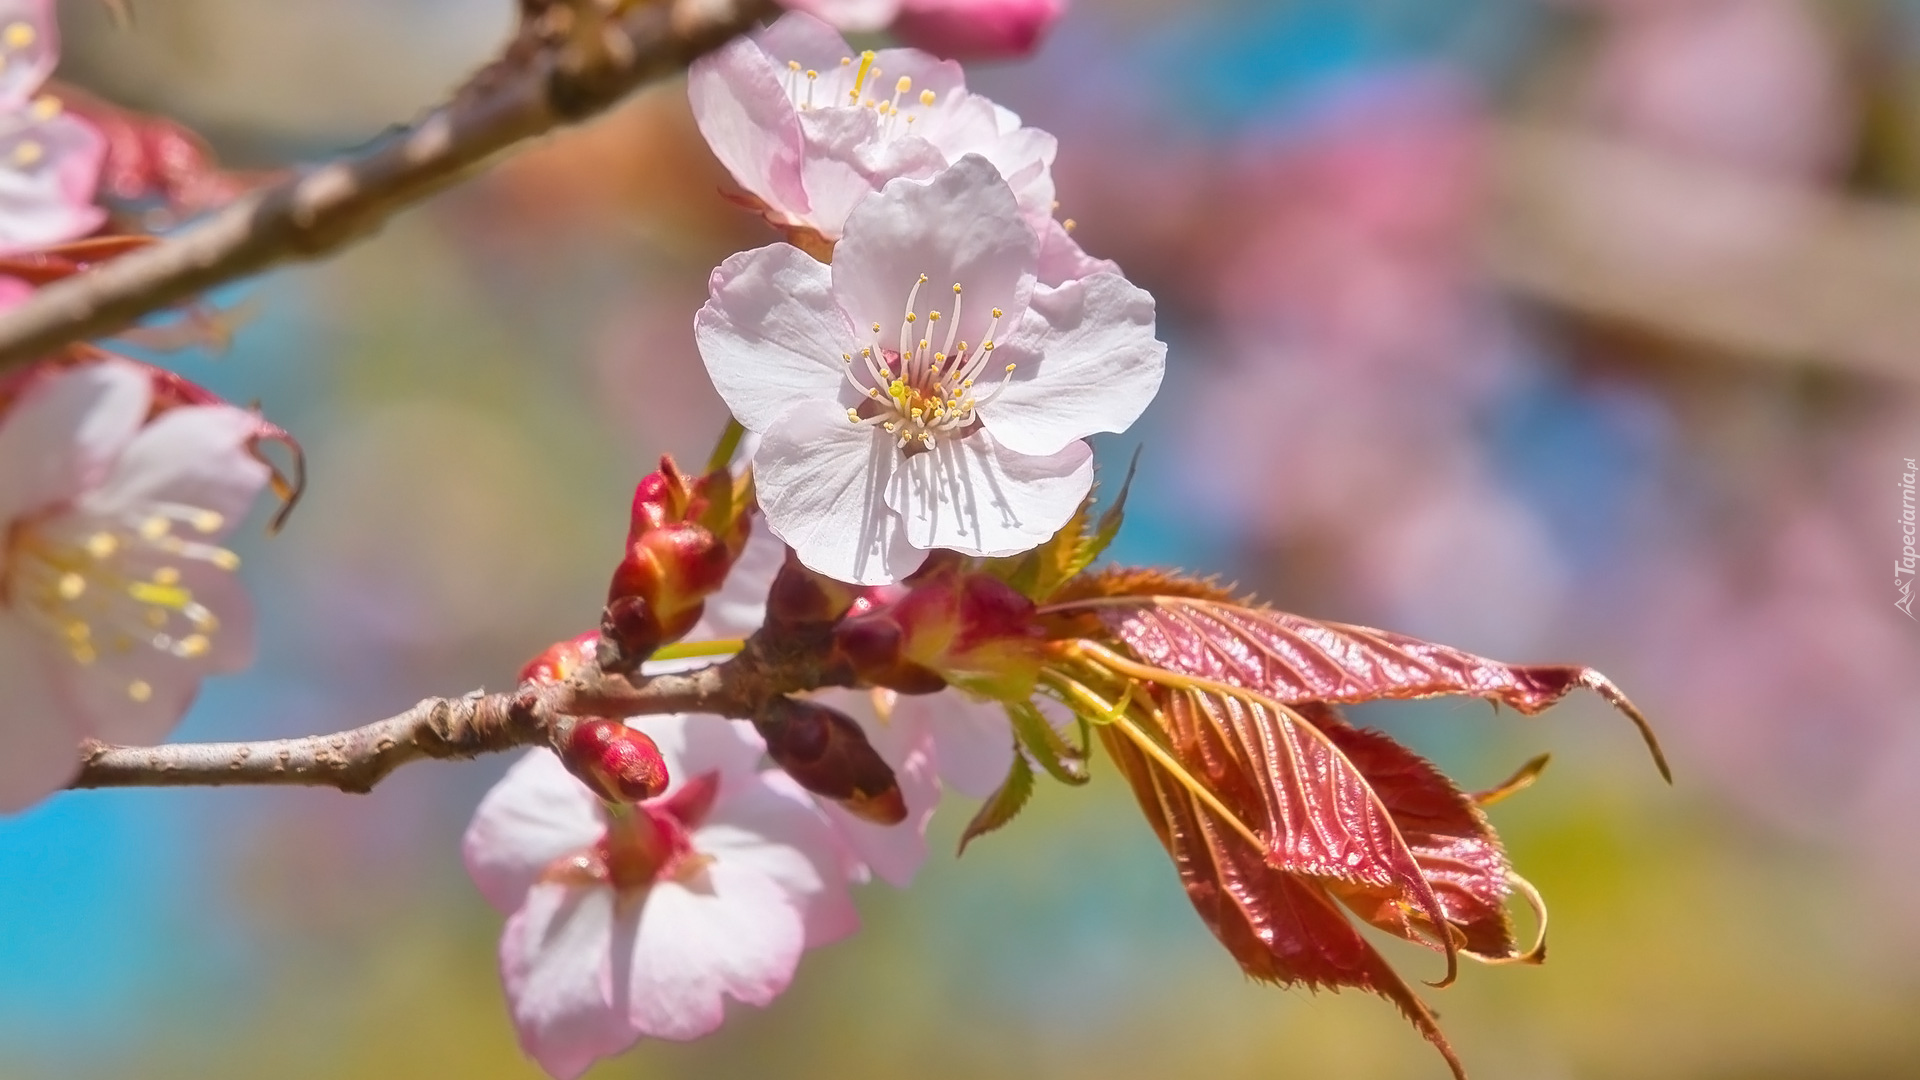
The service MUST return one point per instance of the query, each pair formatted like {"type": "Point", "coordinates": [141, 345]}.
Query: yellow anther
{"type": "Point", "coordinates": [793, 65]}
{"type": "Point", "coordinates": [911, 317]}
{"type": "Point", "coordinates": [20, 35]}
{"type": "Point", "coordinates": [164, 596]}
{"type": "Point", "coordinates": [940, 356]}
{"type": "Point", "coordinates": [154, 528]}
{"type": "Point", "coordinates": [846, 61]}
{"type": "Point", "coordinates": [934, 316]}
{"type": "Point", "coordinates": [166, 575]}
{"type": "Point", "coordinates": [224, 560]}
{"type": "Point", "coordinates": [860, 76]}
{"type": "Point", "coordinates": [1010, 368]}
{"type": "Point", "coordinates": [1069, 224]}
{"type": "Point", "coordinates": [46, 107]}
{"type": "Point", "coordinates": [207, 521]}
{"type": "Point", "coordinates": [903, 85]}
{"type": "Point", "coordinates": [191, 646]}
{"type": "Point", "coordinates": [71, 586]}
{"type": "Point", "coordinates": [102, 545]}
{"type": "Point", "coordinates": [956, 288]}
{"type": "Point", "coordinates": [926, 97]}
{"type": "Point", "coordinates": [853, 416]}
{"type": "Point", "coordinates": [28, 153]}
{"type": "Point", "coordinates": [876, 328]}
{"type": "Point", "coordinates": [812, 74]}
{"type": "Point", "coordinates": [140, 690]}
{"type": "Point", "coordinates": [988, 347]}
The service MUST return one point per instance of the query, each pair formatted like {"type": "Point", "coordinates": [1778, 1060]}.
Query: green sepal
{"type": "Point", "coordinates": [1003, 804]}
{"type": "Point", "coordinates": [1062, 760]}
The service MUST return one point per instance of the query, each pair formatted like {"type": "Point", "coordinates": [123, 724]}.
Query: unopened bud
{"type": "Point", "coordinates": [561, 659]}
{"type": "Point", "coordinates": [828, 754]}
{"type": "Point", "coordinates": [682, 540]}
{"type": "Point", "coordinates": [950, 627]}
{"type": "Point", "coordinates": [621, 764]}
{"type": "Point", "coordinates": [628, 635]}
{"type": "Point", "coordinates": [801, 597]}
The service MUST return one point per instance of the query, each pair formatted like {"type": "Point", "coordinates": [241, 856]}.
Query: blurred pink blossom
{"type": "Point", "coordinates": [50, 160]}
{"type": "Point", "coordinates": [977, 29]}
{"type": "Point", "coordinates": [640, 921]}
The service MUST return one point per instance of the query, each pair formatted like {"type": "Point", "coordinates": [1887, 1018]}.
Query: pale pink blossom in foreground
{"type": "Point", "coordinates": [115, 598]}
{"type": "Point", "coordinates": [643, 921]}
{"type": "Point", "coordinates": [977, 29]}
{"type": "Point", "coordinates": [810, 127]}
{"type": "Point", "coordinates": [965, 428]}
{"type": "Point", "coordinates": [49, 159]}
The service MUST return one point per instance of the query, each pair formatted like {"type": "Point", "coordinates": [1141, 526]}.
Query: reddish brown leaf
{"type": "Point", "coordinates": [1279, 927]}
{"type": "Point", "coordinates": [1295, 660]}
{"type": "Point", "coordinates": [1455, 846]}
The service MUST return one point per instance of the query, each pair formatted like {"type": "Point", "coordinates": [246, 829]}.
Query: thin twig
{"type": "Point", "coordinates": [571, 59]}
{"type": "Point", "coordinates": [465, 727]}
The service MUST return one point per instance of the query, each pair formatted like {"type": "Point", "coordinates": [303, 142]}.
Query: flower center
{"type": "Point", "coordinates": [918, 393]}
{"type": "Point", "coordinates": [854, 83]}
{"type": "Point", "coordinates": [644, 843]}
{"type": "Point", "coordinates": [117, 588]}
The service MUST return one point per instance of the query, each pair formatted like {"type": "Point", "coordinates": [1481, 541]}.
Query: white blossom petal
{"type": "Point", "coordinates": [848, 160]}
{"type": "Point", "coordinates": [39, 748]}
{"type": "Point", "coordinates": [978, 497]}
{"type": "Point", "coordinates": [961, 227]}
{"type": "Point", "coordinates": [771, 334]}
{"type": "Point", "coordinates": [772, 825]}
{"type": "Point", "coordinates": [742, 108]}
{"type": "Point", "coordinates": [1085, 361]}
{"type": "Point", "coordinates": [822, 482]}
{"type": "Point", "coordinates": [48, 171]}
{"type": "Point", "coordinates": [727, 931]}
{"type": "Point", "coordinates": [695, 744]}
{"type": "Point", "coordinates": [27, 55]}
{"type": "Point", "coordinates": [853, 15]}
{"type": "Point", "coordinates": [537, 813]}
{"type": "Point", "coordinates": [804, 39]}
{"type": "Point", "coordinates": [1061, 258]}
{"type": "Point", "coordinates": [194, 456]}
{"type": "Point", "coordinates": [64, 432]}
{"type": "Point", "coordinates": [556, 961]}
{"type": "Point", "coordinates": [972, 740]}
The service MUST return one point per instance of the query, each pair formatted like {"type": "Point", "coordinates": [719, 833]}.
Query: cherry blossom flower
{"type": "Point", "coordinates": [967, 438]}
{"type": "Point", "coordinates": [640, 921]}
{"type": "Point", "coordinates": [809, 127]}
{"type": "Point", "coordinates": [115, 598]}
{"type": "Point", "coordinates": [50, 160]}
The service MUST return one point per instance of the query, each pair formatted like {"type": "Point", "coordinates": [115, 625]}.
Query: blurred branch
{"type": "Point", "coordinates": [570, 60]}
{"type": "Point", "coordinates": [1744, 264]}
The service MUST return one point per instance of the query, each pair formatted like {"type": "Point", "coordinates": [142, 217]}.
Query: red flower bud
{"type": "Point", "coordinates": [682, 539]}
{"type": "Point", "coordinates": [621, 764]}
{"type": "Point", "coordinates": [629, 634]}
{"type": "Point", "coordinates": [967, 629]}
{"type": "Point", "coordinates": [561, 659]}
{"type": "Point", "coordinates": [828, 754]}
{"type": "Point", "coordinates": [801, 597]}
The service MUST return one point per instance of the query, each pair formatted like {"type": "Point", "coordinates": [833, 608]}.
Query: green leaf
{"type": "Point", "coordinates": [1003, 804]}
{"type": "Point", "coordinates": [1091, 547]}
{"type": "Point", "coordinates": [1062, 760]}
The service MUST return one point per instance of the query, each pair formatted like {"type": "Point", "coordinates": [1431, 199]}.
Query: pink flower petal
{"type": "Point", "coordinates": [893, 852]}
{"type": "Point", "coordinates": [49, 169]}
{"type": "Point", "coordinates": [1061, 259]}
{"type": "Point", "coordinates": [961, 227]}
{"type": "Point", "coordinates": [771, 825]}
{"type": "Point", "coordinates": [729, 931]}
{"type": "Point", "coordinates": [556, 961]}
{"type": "Point", "coordinates": [856, 15]}
{"type": "Point", "coordinates": [195, 456]}
{"type": "Point", "coordinates": [1086, 361]}
{"type": "Point", "coordinates": [821, 482]}
{"type": "Point", "coordinates": [64, 432]}
{"type": "Point", "coordinates": [537, 813]}
{"type": "Point", "coordinates": [972, 740]}
{"type": "Point", "coordinates": [771, 334]}
{"type": "Point", "coordinates": [29, 49]}
{"type": "Point", "coordinates": [39, 747]}
{"type": "Point", "coordinates": [978, 497]}
{"type": "Point", "coordinates": [742, 107]}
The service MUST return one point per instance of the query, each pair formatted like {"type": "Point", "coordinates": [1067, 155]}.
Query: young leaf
{"type": "Point", "coordinates": [1092, 547]}
{"type": "Point", "coordinates": [1294, 659]}
{"type": "Point", "coordinates": [1279, 927]}
{"type": "Point", "coordinates": [1003, 804]}
{"type": "Point", "coordinates": [1062, 761]}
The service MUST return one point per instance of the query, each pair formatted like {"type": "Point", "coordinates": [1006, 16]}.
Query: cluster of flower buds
{"type": "Point", "coordinates": [949, 626]}
{"type": "Point", "coordinates": [684, 536]}
{"type": "Point", "coordinates": [619, 763]}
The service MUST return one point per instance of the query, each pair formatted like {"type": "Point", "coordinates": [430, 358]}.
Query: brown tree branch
{"type": "Point", "coordinates": [773, 663]}
{"type": "Point", "coordinates": [571, 59]}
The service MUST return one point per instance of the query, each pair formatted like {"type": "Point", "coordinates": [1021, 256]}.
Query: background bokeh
{"type": "Point", "coordinates": [1582, 330]}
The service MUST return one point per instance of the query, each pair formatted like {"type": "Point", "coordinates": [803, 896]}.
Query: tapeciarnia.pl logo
{"type": "Point", "coordinates": [1903, 567]}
